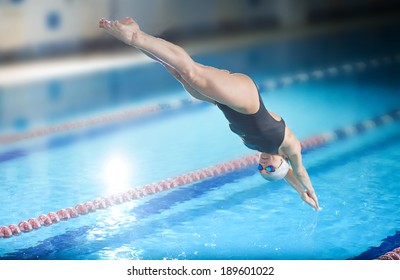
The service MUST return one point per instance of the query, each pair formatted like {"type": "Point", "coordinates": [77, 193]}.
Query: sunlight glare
{"type": "Point", "coordinates": [117, 173]}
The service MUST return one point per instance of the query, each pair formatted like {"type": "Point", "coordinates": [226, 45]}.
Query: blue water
{"type": "Point", "coordinates": [235, 216]}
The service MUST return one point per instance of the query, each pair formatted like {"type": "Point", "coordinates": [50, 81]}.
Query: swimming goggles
{"type": "Point", "coordinates": [269, 168]}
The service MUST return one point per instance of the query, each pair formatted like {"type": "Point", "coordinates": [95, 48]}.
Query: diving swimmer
{"type": "Point", "coordinates": [237, 96]}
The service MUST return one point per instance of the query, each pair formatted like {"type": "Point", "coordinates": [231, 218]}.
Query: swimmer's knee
{"type": "Point", "coordinates": [191, 73]}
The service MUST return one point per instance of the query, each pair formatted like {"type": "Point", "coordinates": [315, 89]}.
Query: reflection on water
{"type": "Point", "coordinates": [117, 172]}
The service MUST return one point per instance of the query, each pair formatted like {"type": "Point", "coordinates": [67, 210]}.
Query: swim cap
{"type": "Point", "coordinates": [278, 174]}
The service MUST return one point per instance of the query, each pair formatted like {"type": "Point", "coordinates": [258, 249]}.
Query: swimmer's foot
{"type": "Point", "coordinates": [127, 30]}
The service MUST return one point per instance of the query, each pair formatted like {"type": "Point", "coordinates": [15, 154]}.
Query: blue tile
{"type": "Point", "coordinates": [53, 20]}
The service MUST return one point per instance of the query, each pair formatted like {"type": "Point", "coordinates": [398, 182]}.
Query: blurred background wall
{"type": "Point", "coordinates": [31, 28]}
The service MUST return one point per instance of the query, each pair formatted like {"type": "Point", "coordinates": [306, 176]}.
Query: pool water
{"type": "Point", "coordinates": [232, 216]}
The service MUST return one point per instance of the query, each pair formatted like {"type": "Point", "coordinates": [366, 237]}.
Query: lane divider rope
{"type": "Point", "coordinates": [333, 71]}
{"type": "Point", "coordinates": [130, 114]}
{"type": "Point", "coordinates": [268, 85]}
{"type": "Point", "coordinates": [192, 177]}
{"type": "Point", "coordinates": [392, 255]}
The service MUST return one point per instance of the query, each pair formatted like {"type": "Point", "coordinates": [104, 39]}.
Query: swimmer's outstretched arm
{"type": "Point", "coordinates": [305, 195]}
{"type": "Point", "coordinates": [298, 176]}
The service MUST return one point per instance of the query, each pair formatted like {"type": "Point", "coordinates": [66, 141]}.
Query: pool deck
{"type": "Point", "coordinates": [36, 70]}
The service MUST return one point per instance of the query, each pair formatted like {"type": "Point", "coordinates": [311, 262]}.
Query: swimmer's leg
{"type": "Point", "coordinates": [234, 90]}
{"type": "Point", "coordinates": [177, 76]}
{"type": "Point", "coordinates": [188, 87]}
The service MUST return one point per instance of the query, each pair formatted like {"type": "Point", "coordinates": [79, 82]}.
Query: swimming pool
{"type": "Point", "coordinates": [236, 215]}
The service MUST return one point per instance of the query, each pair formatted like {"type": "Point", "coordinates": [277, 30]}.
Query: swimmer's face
{"type": "Point", "coordinates": [269, 160]}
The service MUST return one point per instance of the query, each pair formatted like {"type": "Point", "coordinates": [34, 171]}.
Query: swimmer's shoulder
{"type": "Point", "coordinates": [290, 144]}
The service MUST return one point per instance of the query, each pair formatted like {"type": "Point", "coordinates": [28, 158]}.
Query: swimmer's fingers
{"type": "Point", "coordinates": [313, 196]}
{"type": "Point", "coordinates": [317, 204]}
{"type": "Point", "coordinates": [312, 204]}
{"type": "Point", "coordinates": [310, 201]}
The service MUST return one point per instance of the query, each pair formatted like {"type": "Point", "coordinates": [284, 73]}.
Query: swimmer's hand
{"type": "Point", "coordinates": [126, 30]}
{"type": "Point", "coordinates": [310, 198]}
